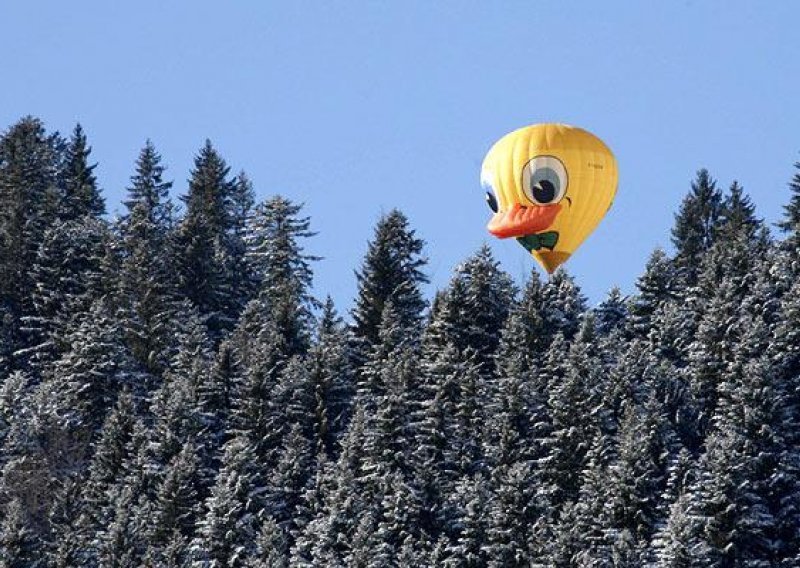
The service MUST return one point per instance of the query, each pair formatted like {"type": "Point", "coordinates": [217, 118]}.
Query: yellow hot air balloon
{"type": "Point", "coordinates": [549, 186]}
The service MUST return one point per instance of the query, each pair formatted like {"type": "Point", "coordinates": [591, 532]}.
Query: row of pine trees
{"type": "Point", "coordinates": [172, 393]}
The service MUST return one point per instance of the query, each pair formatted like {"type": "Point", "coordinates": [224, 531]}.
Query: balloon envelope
{"type": "Point", "coordinates": [550, 185]}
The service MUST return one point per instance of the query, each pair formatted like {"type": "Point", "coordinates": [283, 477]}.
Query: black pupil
{"type": "Point", "coordinates": [544, 191]}
{"type": "Point", "coordinates": [490, 199]}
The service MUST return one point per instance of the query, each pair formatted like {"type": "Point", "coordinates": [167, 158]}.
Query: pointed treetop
{"type": "Point", "coordinates": [81, 195]}
{"type": "Point", "coordinates": [148, 193]}
{"type": "Point", "coordinates": [738, 215]}
{"type": "Point", "coordinates": [392, 268]}
{"type": "Point", "coordinates": [697, 222]}
{"type": "Point", "coordinates": [791, 216]}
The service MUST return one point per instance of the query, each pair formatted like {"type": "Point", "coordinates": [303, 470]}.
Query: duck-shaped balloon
{"type": "Point", "coordinates": [549, 185]}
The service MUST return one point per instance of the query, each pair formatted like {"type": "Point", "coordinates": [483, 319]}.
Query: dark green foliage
{"type": "Point", "coordinates": [18, 546]}
{"type": "Point", "coordinates": [80, 194]}
{"type": "Point", "coordinates": [168, 396]}
{"type": "Point", "coordinates": [147, 284]}
{"type": "Point", "coordinates": [283, 272]}
{"type": "Point", "coordinates": [696, 224]}
{"type": "Point", "coordinates": [69, 272]}
{"type": "Point", "coordinates": [332, 380]}
{"type": "Point", "coordinates": [657, 286]}
{"type": "Point", "coordinates": [612, 313]}
{"type": "Point", "coordinates": [392, 270]}
{"type": "Point", "coordinates": [471, 312]}
{"type": "Point", "coordinates": [737, 216]}
{"type": "Point", "coordinates": [206, 240]}
{"type": "Point", "coordinates": [791, 218]}
{"type": "Point", "coordinates": [227, 533]}
{"type": "Point", "coordinates": [29, 197]}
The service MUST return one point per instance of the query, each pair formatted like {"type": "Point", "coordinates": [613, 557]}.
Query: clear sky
{"type": "Point", "coordinates": [358, 107]}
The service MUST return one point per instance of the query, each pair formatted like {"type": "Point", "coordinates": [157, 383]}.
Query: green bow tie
{"type": "Point", "coordinates": [546, 240]}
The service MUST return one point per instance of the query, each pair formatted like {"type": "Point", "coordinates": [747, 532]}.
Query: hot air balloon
{"type": "Point", "coordinates": [549, 186]}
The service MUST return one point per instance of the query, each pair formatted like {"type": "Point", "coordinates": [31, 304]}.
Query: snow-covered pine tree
{"type": "Point", "coordinates": [68, 271]}
{"type": "Point", "coordinates": [329, 538]}
{"type": "Point", "coordinates": [696, 225]}
{"type": "Point", "coordinates": [289, 451]}
{"type": "Point", "coordinates": [748, 482]}
{"type": "Point", "coordinates": [563, 305]}
{"type": "Point", "coordinates": [636, 479]}
{"type": "Point", "coordinates": [612, 313]}
{"type": "Point", "coordinates": [573, 377]}
{"type": "Point", "coordinates": [671, 545]}
{"type": "Point", "coordinates": [738, 216]}
{"type": "Point", "coordinates": [204, 240]}
{"type": "Point", "coordinates": [272, 548]}
{"type": "Point", "coordinates": [80, 195]}
{"type": "Point", "coordinates": [241, 203]}
{"type": "Point", "coordinates": [282, 270]}
{"type": "Point", "coordinates": [181, 407]}
{"type": "Point", "coordinates": [147, 283]}
{"type": "Point", "coordinates": [391, 269]}
{"type": "Point", "coordinates": [511, 512]}
{"type": "Point", "coordinates": [472, 311]}
{"type": "Point", "coordinates": [399, 527]}
{"type": "Point", "coordinates": [84, 382]}
{"type": "Point", "coordinates": [226, 535]}
{"type": "Point", "coordinates": [791, 217]}
{"type": "Point", "coordinates": [19, 546]}
{"type": "Point", "coordinates": [467, 546]}
{"type": "Point", "coordinates": [332, 380]}
{"type": "Point", "coordinates": [658, 285]}
{"type": "Point", "coordinates": [179, 498]}
{"type": "Point", "coordinates": [29, 196]}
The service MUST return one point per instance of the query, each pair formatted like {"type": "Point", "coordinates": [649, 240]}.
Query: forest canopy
{"type": "Point", "coordinates": [172, 393]}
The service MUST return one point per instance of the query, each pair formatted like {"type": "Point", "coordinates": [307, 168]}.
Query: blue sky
{"type": "Point", "coordinates": [358, 107]}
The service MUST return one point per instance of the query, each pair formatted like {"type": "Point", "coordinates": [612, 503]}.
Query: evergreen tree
{"type": "Point", "coordinates": [748, 483]}
{"type": "Point", "coordinates": [241, 205]}
{"type": "Point", "coordinates": [206, 255]}
{"type": "Point", "coordinates": [696, 224]}
{"type": "Point", "coordinates": [737, 216]}
{"type": "Point", "coordinates": [18, 544]}
{"type": "Point", "coordinates": [283, 272]}
{"type": "Point", "coordinates": [791, 217]}
{"type": "Point", "coordinates": [177, 505]}
{"type": "Point", "coordinates": [673, 541]}
{"type": "Point", "coordinates": [119, 543]}
{"type": "Point", "coordinates": [227, 533]}
{"type": "Point", "coordinates": [571, 398]}
{"type": "Point", "coordinates": [332, 380]}
{"type": "Point", "coordinates": [657, 286]}
{"type": "Point", "coordinates": [564, 305]}
{"type": "Point", "coordinates": [392, 269]}
{"type": "Point", "coordinates": [29, 165]}
{"type": "Point", "coordinates": [106, 468]}
{"type": "Point", "coordinates": [69, 275]}
{"type": "Point", "coordinates": [526, 334]}
{"type": "Point", "coordinates": [261, 354]}
{"type": "Point", "coordinates": [471, 313]}
{"type": "Point", "coordinates": [468, 547]}
{"type": "Point", "coordinates": [272, 549]}
{"type": "Point", "coordinates": [636, 479]}
{"type": "Point", "coordinates": [80, 194]}
{"type": "Point", "coordinates": [612, 313]}
{"type": "Point", "coordinates": [89, 375]}
{"type": "Point", "coordinates": [147, 284]}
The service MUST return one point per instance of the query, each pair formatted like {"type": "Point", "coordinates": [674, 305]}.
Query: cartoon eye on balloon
{"type": "Point", "coordinates": [548, 185]}
{"type": "Point", "coordinates": [544, 180]}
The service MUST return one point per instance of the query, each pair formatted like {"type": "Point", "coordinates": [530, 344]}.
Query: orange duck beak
{"type": "Point", "coordinates": [522, 220]}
